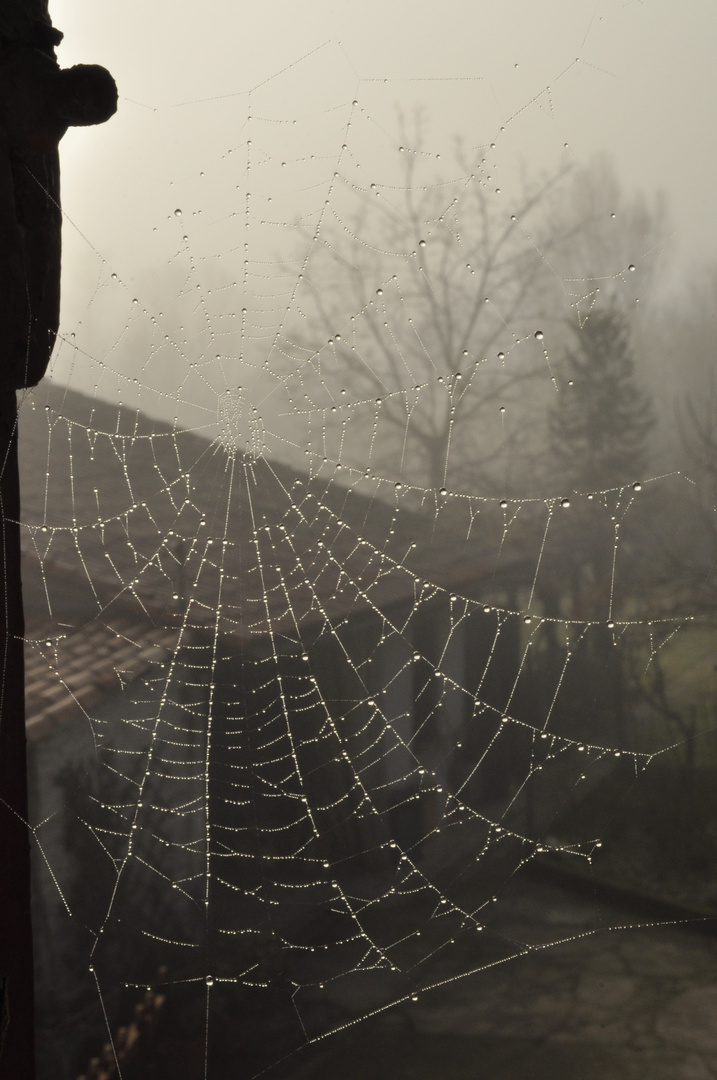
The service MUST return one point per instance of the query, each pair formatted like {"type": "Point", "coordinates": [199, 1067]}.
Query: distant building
{"type": "Point", "coordinates": [237, 666]}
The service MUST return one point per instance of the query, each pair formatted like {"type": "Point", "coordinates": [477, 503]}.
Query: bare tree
{"type": "Point", "coordinates": [427, 323]}
{"type": "Point", "coordinates": [620, 247]}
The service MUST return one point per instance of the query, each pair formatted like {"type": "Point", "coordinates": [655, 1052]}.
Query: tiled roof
{"type": "Point", "coordinates": [134, 535]}
{"type": "Point", "coordinates": [67, 673]}
{"type": "Point", "coordinates": [166, 525]}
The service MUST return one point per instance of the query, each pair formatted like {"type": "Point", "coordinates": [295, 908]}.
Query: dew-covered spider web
{"type": "Point", "coordinates": [342, 523]}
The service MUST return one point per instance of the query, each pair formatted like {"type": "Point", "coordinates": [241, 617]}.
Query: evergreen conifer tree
{"type": "Point", "coordinates": [599, 427]}
{"type": "Point", "coordinates": [598, 437]}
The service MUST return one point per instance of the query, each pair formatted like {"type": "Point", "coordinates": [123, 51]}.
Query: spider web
{"type": "Point", "coordinates": [315, 700]}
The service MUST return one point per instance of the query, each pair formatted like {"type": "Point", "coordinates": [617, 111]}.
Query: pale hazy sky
{"type": "Point", "coordinates": [546, 80]}
{"type": "Point", "coordinates": [643, 87]}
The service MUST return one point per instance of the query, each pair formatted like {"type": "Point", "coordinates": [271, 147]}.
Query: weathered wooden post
{"type": "Point", "coordinates": [38, 102]}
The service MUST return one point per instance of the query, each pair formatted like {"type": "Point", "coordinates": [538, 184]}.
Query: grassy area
{"type": "Point", "coordinates": [659, 833]}
{"type": "Point", "coordinates": [675, 699]}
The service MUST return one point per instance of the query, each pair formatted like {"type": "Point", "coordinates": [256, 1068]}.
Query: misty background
{"type": "Point", "coordinates": [460, 261]}
{"type": "Point", "coordinates": [252, 148]}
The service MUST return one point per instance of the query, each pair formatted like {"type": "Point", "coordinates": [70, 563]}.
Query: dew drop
{"type": "Point", "coordinates": [538, 335]}
{"type": "Point", "coordinates": [421, 243]}
{"type": "Point", "coordinates": [565, 503]}
{"type": "Point", "coordinates": [177, 212]}
{"type": "Point", "coordinates": [637, 486]}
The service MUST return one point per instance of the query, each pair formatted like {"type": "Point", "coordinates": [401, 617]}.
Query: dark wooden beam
{"type": "Point", "coordinates": [38, 101]}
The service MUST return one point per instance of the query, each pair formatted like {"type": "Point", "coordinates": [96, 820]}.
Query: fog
{"type": "Point", "coordinates": [239, 120]}
{"type": "Point", "coordinates": [369, 574]}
